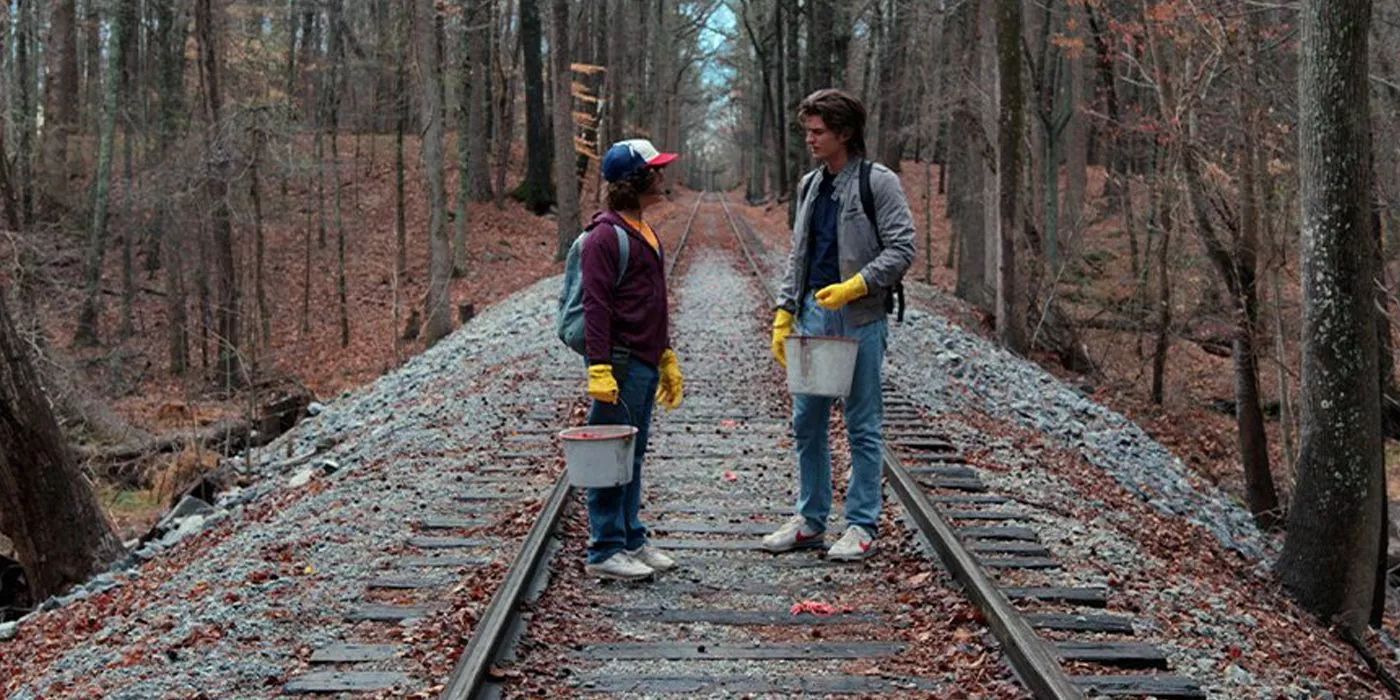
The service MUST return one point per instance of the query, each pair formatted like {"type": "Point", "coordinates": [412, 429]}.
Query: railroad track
{"type": "Point", "coordinates": [719, 475]}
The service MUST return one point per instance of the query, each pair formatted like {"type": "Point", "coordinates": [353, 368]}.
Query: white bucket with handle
{"type": "Point", "coordinates": [820, 365]}
{"type": "Point", "coordinates": [599, 456]}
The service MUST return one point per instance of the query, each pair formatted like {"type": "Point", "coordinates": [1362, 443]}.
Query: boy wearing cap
{"type": "Point", "coordinates": [631, 365]}
{"type": "Point", "coordinates": [842, 266]}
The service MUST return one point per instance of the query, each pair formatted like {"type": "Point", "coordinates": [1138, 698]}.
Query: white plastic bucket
{"type": "Point", "coordinates": [599, 456]}
{"type": "Point", "coordinates": [820, 365]}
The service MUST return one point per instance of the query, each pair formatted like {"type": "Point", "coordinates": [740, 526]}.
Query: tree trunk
{"type": "Point", "coordinates": [259, 242]}
{"type": "Point", "coordinates": [404, 32]}
{"type": "Point", "coordinates": [130, 101]}
{"type": "Point", "coordinates": [567, 193]}
{"type": "Point", "coordinates": [506, 126]}
{"type": "Point", "coordinates": [306, 277]}
{"type": "Point", "coordinates": [88, 318]}
{"type": "Point", "coordinates": [289, 77]}
{"type": "Point", "coordinates": [230, 371]}
{"type": "Point", "coordinates": [8, 205]}
{"type": "Point", "coordinates": [479, 49]}
{"type": "Point", "coordinates": [797, 156]}
{"type": "Point", "coordinates": [1254, 449]}
{"type": "Point", "coordinates": [969, 209]}
{"type": "Point", "coordinates": [169, 70]}
{"type": "Point", "coordinates": [614, 81]}
{"type": "Point", "coordinates": [779, 105]}
{"type": "Point", "coordinates": [893, 68]}
{"type": "Point", "coordinates": [1285, 394]}
{"type": "Point", "coordinates": [1328, 561]}
{"type": "Point", "coordinates": [661, 58]}
{"type": "Point", "coordinates": [92, 59]}
{"type": "Point", "coordinates": [464, 163]}
{"type": "Point", "coordinates": [1166, 221]}
{"type": "Point", "coordinates": [537, 190]}
{"type": "Point", "coordinates": [1237, 271]}
{"type": "Point", "coordinates": [201, 283]}
{"type": "Point", "coordinates": [438, 306]}
{"type": "Point", "coordinates": [933, 88]}
{"type": "Point", "coordinates": [1010, 327]}
{"type": "Point", "coordinates": [967, 212]}
{"type": "Point", "coordinates": [175, 295]}
{"type": "Point", "coordinates": [26, 74]}
{"type": "Point", "coordinates": [47, 507]}
{"type": "Point", "coordinates": [61, 96]}
{"type": "Point", "coordinates": [334, 88]}
{"type": "Point", "coordinates": [874, 37]}
{"type": "Point", "coordinates": [843, 25]}
{"type": "Point", "coordinates": [1054, 109]}
{"type": "Point", "coordinates": [820, 44]}
{"type": "Point", "coordinates": [1076, 147]}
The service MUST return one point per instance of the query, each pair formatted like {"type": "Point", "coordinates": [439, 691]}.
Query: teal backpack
{"type": "Point", "coordinates": [569, 323]}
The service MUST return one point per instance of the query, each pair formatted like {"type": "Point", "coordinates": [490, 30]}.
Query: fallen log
{"type": "Point", "coordinates": [125, 463]}
{"type": "Point", "coordinates": [225, 437]}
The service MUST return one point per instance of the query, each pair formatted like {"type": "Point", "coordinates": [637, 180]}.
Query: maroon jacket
{"type": "Point", "coordinates": [633, 314]}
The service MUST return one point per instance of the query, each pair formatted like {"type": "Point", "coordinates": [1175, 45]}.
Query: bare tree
{"type": "Point", "coordinates": [404, 30]}
{"type": "Point", "coordinates": [893, 86]}
{"type": "Point", "coordinates": [87, 334]}
{"type": "Point", "coordinates": [61, 95]}
{"type": "Point", "coordinates": [1010, 328]}
{"type": "Point", "coordinates": [1334, 526]}
{"type": "Point", "coordinates": [438, 307]}
{"type": "Point", "coordinates": [26, 74]}
{"type": "Point", "coordinates": [505, 124]}
{"type": "Point", "coordinates": [9, 205]}
{"type": "Point", "coordinates": [567, 193]}
{"type": "Point", "coordinates": [230, 371]}
{"type": "Point", "coordinates": [333, 94]}
{"type": "Point", "coordinates": [479, 48]}
{"type": "Point", "coordinates": [537, 192]}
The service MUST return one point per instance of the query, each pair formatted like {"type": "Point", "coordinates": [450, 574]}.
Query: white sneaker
{"type": "Point", "coordinates": [653, 557]}
{"type": "Point", "coordinates": [856, 544]}
{"type": "Point", "coordinates": [794, 534]}
{"type": "Point", "coordinates": [620, 566]}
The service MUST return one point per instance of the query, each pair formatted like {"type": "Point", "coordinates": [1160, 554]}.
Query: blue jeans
{"type": "Point", "coordinates": [864, 408]}
{"type": "Point", "coordinates": [613, 520]}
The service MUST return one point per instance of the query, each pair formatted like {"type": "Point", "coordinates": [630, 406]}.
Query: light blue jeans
{"type": "Point", "coordinates": [614, 520]}
{"type": "Point", "coordinates": [864, 408]}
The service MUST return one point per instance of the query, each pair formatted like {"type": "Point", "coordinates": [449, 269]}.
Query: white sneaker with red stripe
{"type": "Point", "coordinates": [794, 534]}
{"type": "Point", "coordinates": [856, 544]}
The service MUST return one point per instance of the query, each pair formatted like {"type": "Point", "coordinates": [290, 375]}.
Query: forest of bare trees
{"type": "Point", "coordinates": [200, 174]}
{"type": "Point", "coordinates": [185, 184]}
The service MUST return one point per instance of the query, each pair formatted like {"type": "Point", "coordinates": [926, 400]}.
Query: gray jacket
{"type": "Point", "coordinates": [860, 250]}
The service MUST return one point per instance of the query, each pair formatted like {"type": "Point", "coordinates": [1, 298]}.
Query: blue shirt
{"type": "Point", "coordinates": [824, 263]}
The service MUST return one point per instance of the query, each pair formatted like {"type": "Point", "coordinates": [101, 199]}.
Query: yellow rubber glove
{"type": "Point", "coordinates": [671, 389]}
{"type": "Point", "coordinates": [601, 384]}
{"type": "Point", "coordinates": [782, 328]}
{"type": "Point", "coordinates": [835, 296]}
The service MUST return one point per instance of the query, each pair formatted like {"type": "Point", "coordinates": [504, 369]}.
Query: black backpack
{"type": "Point", "coordinates": [867, 202]}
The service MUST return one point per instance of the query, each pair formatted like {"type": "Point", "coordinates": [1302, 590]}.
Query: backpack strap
{"type": "Point", "coordinates": [624, 246]}
{"type": "Point", "coordinates": [867, 202]}
{"type": "Point", "coordinates": [867, 198]}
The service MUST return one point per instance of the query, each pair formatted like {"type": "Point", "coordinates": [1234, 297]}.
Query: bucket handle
{"type": "Point", "coordinates": [627, 410]}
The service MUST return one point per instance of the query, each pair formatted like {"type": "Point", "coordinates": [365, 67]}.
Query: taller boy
{"type": "Point", "coordinates": [839, 273]}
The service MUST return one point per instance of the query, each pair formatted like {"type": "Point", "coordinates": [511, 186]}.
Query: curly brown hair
{"type": "Point", "coordinates": [626, 194]}
{"type": "Point", "coordinates": [840, 112]}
